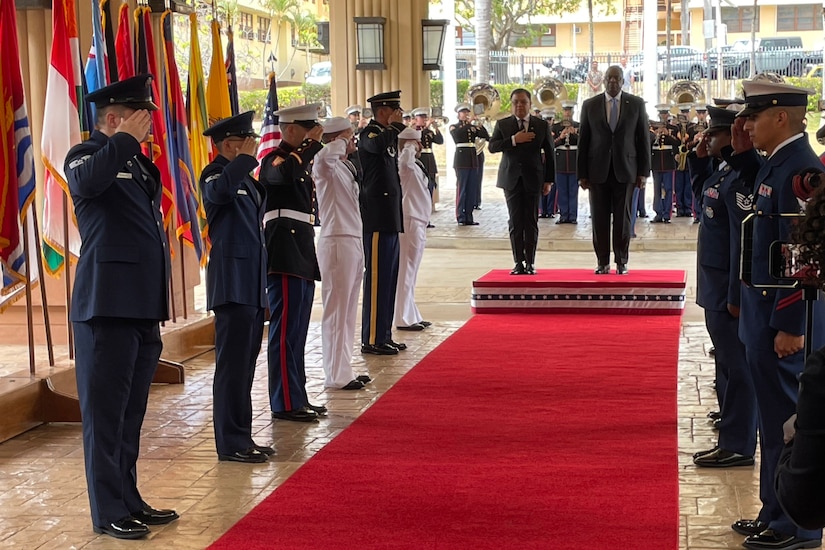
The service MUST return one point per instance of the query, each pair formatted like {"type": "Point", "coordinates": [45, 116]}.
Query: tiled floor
{"type": "Point", "coordinates": [42, 486]}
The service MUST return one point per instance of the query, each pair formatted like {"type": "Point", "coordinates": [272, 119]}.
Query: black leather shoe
{"type": "Point", "coordinates": [602, 270]}
{"type": "Point", "coordinates": [363, 378]}
{"type": "Point", "coordinates": [354, 385]}
{"type": "Point", "coordinates": [703, 453]}
{"type": "Point", "coordinates": [400, 346]}
{"type": "Point", "coordinates": [430, 226]}
{"type": "Point", "coordinates": [656, 219]}
{"type": "Point", "coordinates": [714, 415]}
{"type": "Point", "coordinates": [298, 415]}
{"type": "Point", "coordinates": [379, 349]}
{"type": "Point", "coordinates": [249, 456]}
{"type": "Point", "coordinates": [317, 409]}
{"type": "Point", "coordinates": [153, 516]}
{"type": "Point", "coordinates": [749, 526]}
{"type": "Point", "coordinates": [126, 528]}
{"type": "Point", "coordinates": [573, 222]}
{"type": "Point", "coordinates": [712, 351]}
{"type": "Point", "coordinates": [715, 423]}
{"type": "Point", "coordinates": [666, 220]}
{"type": "Point", "coordinates": [771, 540]}
{"type": "Point", "coordinates": [720, 458]}
{"type": "Point", "coordinates": [412, 327]}
{"type": "Point", "coordinates": [268, 451]}
{"type": "Point", "coordinates": [425, 324]}
{"type": "Point", "coordinates": [529, 269]}
{"type": "Point", "coordinates": [621, 269]}
{"type": "Point", "coordinates": [518, 269]}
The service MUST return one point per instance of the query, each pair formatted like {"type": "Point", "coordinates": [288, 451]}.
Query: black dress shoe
{"type": "Point", "coordinates": [749, 526]}
{"type": "Point", "coordinates": [470, 223]}
{"type": "Point", "coordinates": [666, 220]}
{"type": "Point", "coordinates": [529, 269]}
{"type": "Point", "coordinates": [412, 327]}
{"type": "Point", "coordinates": [720, 458]}
{"type": "Point", "coordinates": [602, 270]}
{"type": "Point", "coordinates": [126, 528]}
{"type": "Point", "coordinates": [379, 349]}
{"type": "Point", "coordinates": [317, 409]}
{"type": "Point", "coordinates": [430, 226]}
{"type": "Point", "coordinates": [621, 269]}
{"type": "Point", "coordinates": [574, 222]}
{"type": "Point", "coordinates": [714, 415]}
{"type": "Point", "coordinates": [771, 540]}
{"type": "Point", "coordinates": [518, 269]}
{"type": "Point", "coordinates": [363, 378]}
{"type": "Point", "coordinates": [354, 385]}
{"type": "Point", "coordinates": [715, 423]}
{"type": "Point", "coordinates": [298, 415]}
{"type": "Point", "coordinates": [702, 453]}
{"type": "Point", "coordinates": [425, 324]}
{"type": "Point", "coordinates": [268, 451]}
{"type": "Point", "coordinates": [153, 516]}
{"type": "Point", "coordinates": [249, 456]}
{"type": "Point", "coordinates": [400, 346]}
{"type": "Point", "coordinates": [656, 219]}
{"type": "Point", "coordinates": [712, 351]}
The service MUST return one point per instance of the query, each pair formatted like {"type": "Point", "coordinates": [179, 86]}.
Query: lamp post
{"type": "Point", "coordinates": [433, 33]}
{"type": "Point", "coordinates": [272, 59]}
{"type": "Point", "coordinates": [369, 32]}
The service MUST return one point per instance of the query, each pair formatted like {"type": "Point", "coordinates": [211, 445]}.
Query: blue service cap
{"type": "Point", "coordinates": [135, 92]}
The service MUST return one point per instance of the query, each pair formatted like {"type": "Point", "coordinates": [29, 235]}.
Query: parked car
{"type": "Point", "coordinates": [713, 59]}
{"type": "Point", "coordinates": [686, 62]}
{"type": "Point", "coordinates": [814, 71]}
{"type": "Point", "coordinates": [320, 74]}
{"type": "Point", "coordinates": [782, 55]}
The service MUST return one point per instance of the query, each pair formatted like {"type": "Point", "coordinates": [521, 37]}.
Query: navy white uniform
{"type": "Point", "coordinates": [292, 268]}
{"type": "Point", "coordinates": [725, 200]}
{"type": "Point", "coordinates": [119, 297]}
{"type": "Point", "coordinates": [766, 311]}
{"type": "Point", "coordinates": [382, 218]}
{"type": "Point", "coordinates": [235, 284]}
{"type": "Point", "coordinates": [340, 257]}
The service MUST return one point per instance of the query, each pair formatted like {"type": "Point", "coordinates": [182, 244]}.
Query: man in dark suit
{"type": "Point", "coordinates": [119, 298]}
{"type": "Point", "coordinates": [235, 282]}
{"type": "Point", "coordinates": [614, 159]}
{"type": "Point", "coordinates": [524, 175]}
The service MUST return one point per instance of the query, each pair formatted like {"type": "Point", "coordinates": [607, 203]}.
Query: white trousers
{"type": "Point", "coordinates": [341, 259]}
{"type": "Point", "coordinates": [411, 244]}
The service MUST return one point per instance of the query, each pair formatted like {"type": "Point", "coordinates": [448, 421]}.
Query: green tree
{"type": "Point", "coordinates": [279, 11]}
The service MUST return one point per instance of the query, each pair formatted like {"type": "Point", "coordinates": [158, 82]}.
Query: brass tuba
{"type": "Point", "coordinates": [685, 91]}
{"type": "Point", "coordinates": [549, 92]}
{"type": "Point", "coordinates": [486, 97]}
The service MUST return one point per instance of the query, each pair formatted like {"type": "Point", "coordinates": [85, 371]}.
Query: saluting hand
{"type": "Point", "coordinates": [740, 139]}
{"type": "Point", "coordinates": [137, 125]}
{"type": "Point", "coordinates": [249, 146]}
{"type": "Point", "coordinates": [702, 147]}
{"type": "Point", "coordinates": [524, 136]}
{"type": "Point", "coordinates": [316, 132]}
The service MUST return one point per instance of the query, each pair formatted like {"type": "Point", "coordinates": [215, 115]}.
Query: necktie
{"type": "Point", "coordinates": [614, 113]}
{"type": "Point", "coordinates": [520, 124]}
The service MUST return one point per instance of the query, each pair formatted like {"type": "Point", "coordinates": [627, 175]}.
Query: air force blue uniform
{"type": "Point", "coordinates": [119, 298]}
{"type": "Point", "coordinates": [235, 291]}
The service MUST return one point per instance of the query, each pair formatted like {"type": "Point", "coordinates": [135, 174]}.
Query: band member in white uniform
{"type": "Point", "coordinates": [416, 206]}
{"type": "Point", "coordinates": [340, 252]}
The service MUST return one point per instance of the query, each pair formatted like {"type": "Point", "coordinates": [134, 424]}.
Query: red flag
{"type": "Point", "coordinates": [124, 45]}
{"type": "Point", "coordinates": [270, 133]}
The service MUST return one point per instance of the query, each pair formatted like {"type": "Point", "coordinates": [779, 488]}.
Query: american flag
{"type": "Point", "coordinates": [270, 133]}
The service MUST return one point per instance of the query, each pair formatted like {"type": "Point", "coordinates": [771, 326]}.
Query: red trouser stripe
{"type": "Point", "coordinates": [284, 323]}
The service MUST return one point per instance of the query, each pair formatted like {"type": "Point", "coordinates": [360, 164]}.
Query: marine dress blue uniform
{"type": "Point", "coordinates": [235, 287]}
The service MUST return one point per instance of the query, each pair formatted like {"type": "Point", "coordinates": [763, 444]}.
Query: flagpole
{"type": "Point", "coordinates": [29, 321]}
{"type": "Point", "coordinates": [182, 274]}
{"type": "Point", "coordinates": [172, 286]}
{"type": "Point", "coordinates": [43, 299]}
{"type": "Point", "coordinates": [68, 276]}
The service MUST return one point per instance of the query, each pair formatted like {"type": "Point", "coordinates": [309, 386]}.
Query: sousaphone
{"type": "Point", "coordinates": [549, 93]}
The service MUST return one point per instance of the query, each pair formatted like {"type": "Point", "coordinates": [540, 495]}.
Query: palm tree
{"type": "Point", "coordinates": [279, 11]}
{"type": "Point", "coordinates": [306, 33]}
{"type": "Point", "coordinates": [484, 37]}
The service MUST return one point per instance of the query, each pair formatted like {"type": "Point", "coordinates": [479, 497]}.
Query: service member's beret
{"type": "Point", "coordinates": [336, 124]}
{"type": "Point", "coordinates": [567, 104]}
{"type": "Point", "coordinates": [761, 95]}
{"type": "Point", "coordinates": [410, 133]}
{"type": "Point", "coordinates": [303, 115]}
{"type": "Point", "coordinates": [135, 92]}
{"type": "Point", "coordinates": [720, 119]}
{"type": "Point", "coordinates": [462, 107]}
{"type": "Point", "coordinates": [421, 111]}
{"type": "Point", "coordinates": [387, 99]}
{"type": "Point", "coordinates": [353, 109]}
{"type": "Point", "coordinates": [238, 125]}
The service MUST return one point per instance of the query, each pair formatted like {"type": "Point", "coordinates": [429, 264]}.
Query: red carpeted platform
{"type": "Point", "coordinates": [656, 292]}
{"type": "Point", "coordinates": [519, 431]}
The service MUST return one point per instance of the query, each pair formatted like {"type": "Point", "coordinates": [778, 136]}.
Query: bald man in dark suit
{"type": "Point", "coordinates": [613, 159]}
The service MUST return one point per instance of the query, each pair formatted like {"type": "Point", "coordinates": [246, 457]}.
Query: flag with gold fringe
{"type": "Point", "coordinates": [198, 121]}
{"type": "Point", "coordinates": [124, 45]}
{"type": "Point", "coordinates": [217, 88]}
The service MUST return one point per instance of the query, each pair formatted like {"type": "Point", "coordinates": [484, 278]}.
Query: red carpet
{"type": "Point", "coordinates": [519, 431]}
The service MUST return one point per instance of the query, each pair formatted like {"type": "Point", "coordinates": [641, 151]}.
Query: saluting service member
{"type": "Point", "coordinates": [416, 205]}
{"type": "Point", "coordinates": [235, 282]}
{"type": "Point", "coordinates": [465, 162]}
{"type": "Point", "coordinates": [566, 134]}
{"type": "Point", "coordinates": [292, 264]}
{"type": "Point", "coordinates": [430, 134]}
{"type": "Point", "coordinates": [119, 298]}
{"type": "Point", "coordinates": [340, 252]}
{"type": "Point", "coordinates": [725, 199]}
{"type": "Point", "coordinates": [383, 221]}
{"type": "Point", "coordinates": [772, 321]}
{"type": "Point", "coordinates": [664, 144]}
{"type": "Point", "coordinates": [526, 172]}
{"type": "Point", "coordinates": [358, 123]}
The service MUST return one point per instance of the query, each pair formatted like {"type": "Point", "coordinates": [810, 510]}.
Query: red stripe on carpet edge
{"type": "Point", "coordinates": [496, 441]}
{"type": "Point", "coordinates": [532, 310]}
{"type": "Point", "coordinates": [583, 278]}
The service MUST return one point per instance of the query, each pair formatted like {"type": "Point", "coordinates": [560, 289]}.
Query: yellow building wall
{"type": "Point", "coordinates": [767, 27]}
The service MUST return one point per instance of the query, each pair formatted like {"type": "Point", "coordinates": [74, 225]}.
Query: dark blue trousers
{"type": "Point", "coordinates": [567, 189]}
{"type": "Point", "coordinates": [465, 196]}
{"type": "Point", "coordinates": [734, 385]}
{"type": "Point", "coordinates": [479, 177]}
{"type": "Point", "coordinates": [684, 193]}
{"type": "Point", "coordinates": [380, 280]}
{"type": "Point", "coordinates": [115, 361]}
{"type": "Point", "coordinates": [548, 202]}
{"type": "Point", "coordinates": [238, 332]}
{"type": "Point", "coordinates": [663, 194]}
{"type": "Point", "coordinates": [290, 305]}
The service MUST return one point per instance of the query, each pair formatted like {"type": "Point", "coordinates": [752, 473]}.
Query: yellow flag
{"type": "Point", "coordinates": [217, 89]}
{"type": "Point", "coordinates": [198, 123]}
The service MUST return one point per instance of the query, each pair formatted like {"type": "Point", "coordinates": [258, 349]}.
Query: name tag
{"type": "Point", "coordinates": [242, 192]}
{"type": "Point", "coordinates": [765, 190]}
{"type": "Point", "coordinates": [124, 175]}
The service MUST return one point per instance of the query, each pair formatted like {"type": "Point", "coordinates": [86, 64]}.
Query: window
{"type": "Point", "coordinates": [799, 18]}
{"type": "Point", "coordinates": [263, 29]}
{"type": "Point", "coordinates": [245, 25]}
{"type": "Point", "coordinates": [739, 19]}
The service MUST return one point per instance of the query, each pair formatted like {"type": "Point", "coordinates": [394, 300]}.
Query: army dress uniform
{"type": "Point", "coordinates": [766, 311]}
{"type": "Point", "coordinates": [340, 256]}
{"type": "Point", "coordinates": [566, 186]}
{"type": "Point", "coordinates": [292, 267]}
{"type": "Point", "coordinates": [235, 287]}
{"type": "Point", "coordinates": [725, 200]}
{"type": "Point", "coordinates": [120, 296]}
{"type": "Point", "coordinates": [465, 163]}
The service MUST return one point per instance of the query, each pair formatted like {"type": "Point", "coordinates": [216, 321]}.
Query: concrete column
{"type": "Point", "coordinates": [403, 52]}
